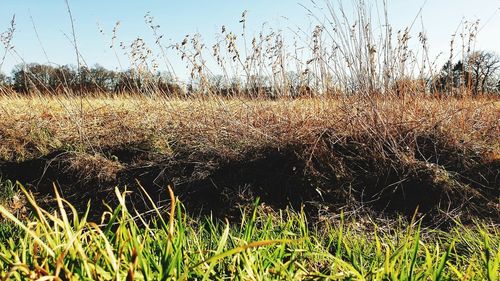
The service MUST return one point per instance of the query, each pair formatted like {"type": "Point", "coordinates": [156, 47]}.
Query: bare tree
{"type": "Point", "coordinates": [4, 83]}
{"type": "Point", "coordinates": [4, 80]}
{"type": "Point", "coordinates": [483, 67]}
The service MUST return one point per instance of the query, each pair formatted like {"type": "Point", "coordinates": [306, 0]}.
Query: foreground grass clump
{"type": "Point", "coordinates": [265, 245]}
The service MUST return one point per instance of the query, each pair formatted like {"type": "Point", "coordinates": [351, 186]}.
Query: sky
{"type": "Point", "coordinates": [50, 19]}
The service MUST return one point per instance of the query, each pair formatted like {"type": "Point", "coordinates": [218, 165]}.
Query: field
{"type": "Point", "coordinates": [342, 152]}
{"type": "Point", "coordinates": [311, 188]}
{"type": "Point", "coordinates": [288, 151]}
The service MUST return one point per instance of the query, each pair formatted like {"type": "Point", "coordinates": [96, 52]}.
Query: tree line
{"type": "Point", "coordinates": [48, 79]}
{"type": "Point", "coordinates": [476, 74]}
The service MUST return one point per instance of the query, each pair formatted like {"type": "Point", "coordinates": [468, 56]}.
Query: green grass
{"type": "Point", "coordinates": [63, 245]}
{"type": "Point", "coordinates": [7, 190]}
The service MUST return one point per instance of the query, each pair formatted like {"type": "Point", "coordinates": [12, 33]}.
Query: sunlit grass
{"type": "Point", "coordinates": [350, 93]}
{"type": "Point", "coordinates": [283, 245]}
{"type": "Point", "coordinates": [35, 126]}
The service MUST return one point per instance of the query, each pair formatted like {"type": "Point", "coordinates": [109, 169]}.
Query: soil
{"type": "Point", "coordinates": [435, 180]}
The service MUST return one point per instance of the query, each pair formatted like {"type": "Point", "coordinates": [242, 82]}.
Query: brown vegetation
{"type": "Point", "coordinates": [347, 115]}
{"type": "Point", "coordinates": [389, 154]}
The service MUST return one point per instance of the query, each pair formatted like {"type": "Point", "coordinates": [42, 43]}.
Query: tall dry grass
{"type": "Point", "coordinates": [37, 125]}
{"type": "Point", "coordinates": [350, 104]}
{"type": "Point", "coordinates": [348, 52]}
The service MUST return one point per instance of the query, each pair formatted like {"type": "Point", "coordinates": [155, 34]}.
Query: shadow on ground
{"type": "Point", "coordinates": [437, 179]}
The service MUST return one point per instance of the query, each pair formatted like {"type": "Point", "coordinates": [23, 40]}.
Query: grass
{"type": "Point", "coordinates": [345, 155]}
{"type": "Point", "coordinates": [34, 126]}
{"type": "Point", "coordinates": [344, 150]}
{"type": "Point", "coordinates": [334, 152]}
{"type": "Point", "coordinates": [264, 246]}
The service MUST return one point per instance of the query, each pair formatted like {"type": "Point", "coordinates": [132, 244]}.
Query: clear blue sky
{"type": "Point", "coordinates": [178, 18]}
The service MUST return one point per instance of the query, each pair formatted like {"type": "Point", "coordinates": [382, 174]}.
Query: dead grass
{"type": "Point", "coordinates": [393, 154]}
{"type": "Point", "coordinates": [31, 127]}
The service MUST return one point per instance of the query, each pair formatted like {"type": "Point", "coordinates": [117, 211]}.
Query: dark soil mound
{"type": "Point", "coordinates": [337, 172]}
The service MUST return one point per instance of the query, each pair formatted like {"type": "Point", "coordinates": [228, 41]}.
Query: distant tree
{"type": "Point", "coordinates": [104, 79]}
{"type": "Point", "coordinates": [84, 82]}
{"type": "Point", "coordinates": [218, 85]}
{"type": "Point", "coordinates": [461, 75]}
{"type": "Point", "coordinates": [5, 83]}
{"type": "Point", "coordinates": [96, 79]}
{"type": "Point", "coordinates": [483, 66]}
{"type": "Point", "coordinates": [63, 78]}
{"type": "Point", "coordinates": [442, 83]}
{"type": "Point", "coordinates": [452, 77]}
{"type": "Point", "coordinates": [229, 87]}
{"type": "Point", "coordinates": [22, 80]}
{"type": "Point", "coordinates": [4, 80]}
{"type": "Point", "coordinates": [259, 86]}
{"type": "Point", "coordinates": [128, 82]}
{"type": "Point", "coordinates": [164, 83]}
{"type": "Point", "coordinates": [43, 78]}
{"type": "Point", "coordinates": [477, 73]}
{"type": "Point", "coordinates": [299, 85]}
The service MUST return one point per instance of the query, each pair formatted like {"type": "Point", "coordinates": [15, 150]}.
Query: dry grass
{"type": "Point", "coordinates": [31, 127]}
{"type": "Point", "coordinates": [443, 151]}
{"type": "Point", "coordinates": [343, 122]}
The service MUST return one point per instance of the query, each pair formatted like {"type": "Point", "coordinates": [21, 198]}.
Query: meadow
{"type": "Point", "coordinates": [357, 159]}
{"type": "Point", "coordinates": [319, 168]}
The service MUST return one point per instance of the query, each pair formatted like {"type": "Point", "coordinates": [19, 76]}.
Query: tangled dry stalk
{"type": "Point", "coordinates": [377, 150]}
